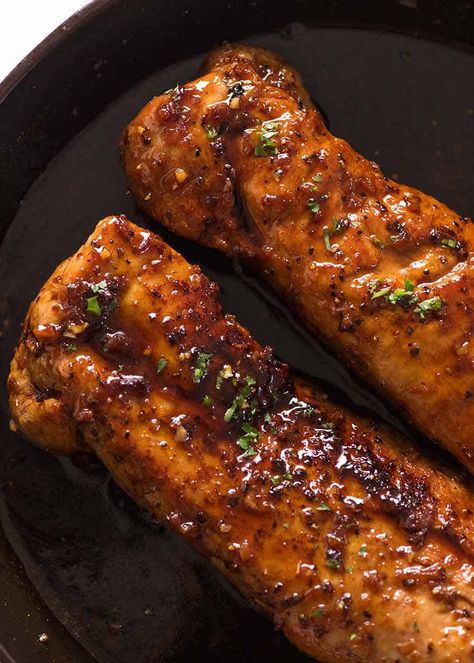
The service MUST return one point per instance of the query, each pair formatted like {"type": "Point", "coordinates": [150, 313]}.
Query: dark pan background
{"type": "Point", "coordinates": [394, 78]}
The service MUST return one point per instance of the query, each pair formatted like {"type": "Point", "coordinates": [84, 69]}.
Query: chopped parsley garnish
{"type": "Point", "coordinates": [317, 178]}
{"type": "Point", "coordinates": [161, 365]}
{"type": "Point", "coordinates": [327, 239]}
{"type": "Point", "coordinates": [266, 146]}
{"type": "Point", "coordinates": [313, 206]}
{"type": "Point", "coordinates": [245, 441]}
{"type": "Point", "coordinates": [333, 563]}
{"type": "Point", "coordinates": [268, 420]}
{"type": "Point", "coordinates": [93, 305]}
{"type": "Point", "coordinates": [202, 366]}
{"type": "Point", "coordinates": [375, 294]}
{"type": "Point", "coordinates": [323, 507]}
{"type": "Point", "coordinates": [349, 569]}
{"type": "Point", "coordinates": [278, 478]}
{"type": "Point", "coordinates": [375, 240]}
{"type": "Point", "coordinates": [241, 399]}
{"type": "Point", "coordinates": [327, 426]}
{"type": "Point", "coordinates": [111, 306]}
{"type": "Point", "coordinates": [317, 613]}
{"type": "Point", "coordinates": [337, 227]}
{"type": "Point", "coordinates": [207, 401]}
{"type": "Point", "coordinates": [434, 304]}
{"type": "Point", "coordinates": [403, 296]}
{"type": "Point", "coordinates": [71, 347]}
{"type": "Point", "coordinates": [363, 550]}
{"type": "Point", "coordinates": [211, 132]}
{"type": "Point", "coordinates": [450, 243]}
{"type": "Point", "coordinates": [98, 287]}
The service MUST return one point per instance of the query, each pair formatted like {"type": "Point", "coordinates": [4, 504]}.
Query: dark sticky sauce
{"type": "Point", "coordinates": [123, 585]}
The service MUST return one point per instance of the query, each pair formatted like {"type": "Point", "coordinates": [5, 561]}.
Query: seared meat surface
{"type": "Point", "coordinates": [357, 546]}
{"type": "Point", "coordinates": [241, 161]}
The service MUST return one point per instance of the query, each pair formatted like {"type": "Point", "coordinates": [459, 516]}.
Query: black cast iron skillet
{"type": "Point", "coordinates": [77, 560]}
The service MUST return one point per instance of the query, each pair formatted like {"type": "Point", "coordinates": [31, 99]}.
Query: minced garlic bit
{"type": "Point", "coordinates": [13, 426]}
{"type": "Point", "coordinates": [181, 175]}
{"type": "Point", "coordinates": [74, 329]}
{"type": "Point", "coordinates": [140, 129]}
{"type": "Point", "coordinates": [147, 197]}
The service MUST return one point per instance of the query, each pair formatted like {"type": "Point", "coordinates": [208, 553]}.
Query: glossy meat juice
{"type": "Point", "coordinates": [240, 160]}
{"type": "Point", "coordinates": [339, 530]}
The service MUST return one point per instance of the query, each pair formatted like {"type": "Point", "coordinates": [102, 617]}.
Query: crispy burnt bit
{"type": "Point", "coordinates": [319, 214]}
{"type": "Point", "coordinates": [335, 527]}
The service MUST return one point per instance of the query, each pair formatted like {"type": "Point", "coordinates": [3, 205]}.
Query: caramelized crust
{"type": "Point", "coordinates": [342, 533]}
{"type": "Point", "coordinates": [379, 271]}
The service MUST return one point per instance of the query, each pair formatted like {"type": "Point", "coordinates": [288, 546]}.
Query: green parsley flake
{"type": "Point", "coordinates": [363, 550]}
{"type": "Point", "coordinates": [317, 178]}
{"type": "Point", "coordinates": [266, 146]}
{"type": "Point", "coordinates": [403, 296]}
{"type": "Point", "coordinates": [93, 305]}
{"type": "Point", "coordinates": [71, 347]}
{"type": "Point", "coordinates": [333, 563]}
{"type": "Point", "coordinates": [313, 206]}
{"type": "Point", "coordinates": [317, 613]}
{"type": "Point", "coordinates": [207, 401]}
{"type": "Point", "coordinates": [98, 287]}
{"type": "Point", "coordinates": [376, 241]}
{"type": "Point", "coordinates": [240, 401]}
{"type": "Point", "coordinates": [211, 132]}
{"type": "Point", "coordinates": [327, 238]}
{"type": "Point", "coordinates": [337, 227]}
{"type": "Point", "coordinates": [202, 366]}
{"type": "Point", "coordinates": [434, 304]}
{"type": "Point", "coordinates": [245, 441]}
{"type": "Point", "coordinates": [278, 478]}
{"type": "Point", "coordinates": [323, 507]}
{"type": "Point", "coordinates": [375, 294]}
{"type": "Point", "coordinates": [450, 243]}
{"type": "Point", "coordinates": [161, 365]}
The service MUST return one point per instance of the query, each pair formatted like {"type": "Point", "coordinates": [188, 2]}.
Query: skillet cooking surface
{"type": "Point", "coordinates": [125, 587]}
